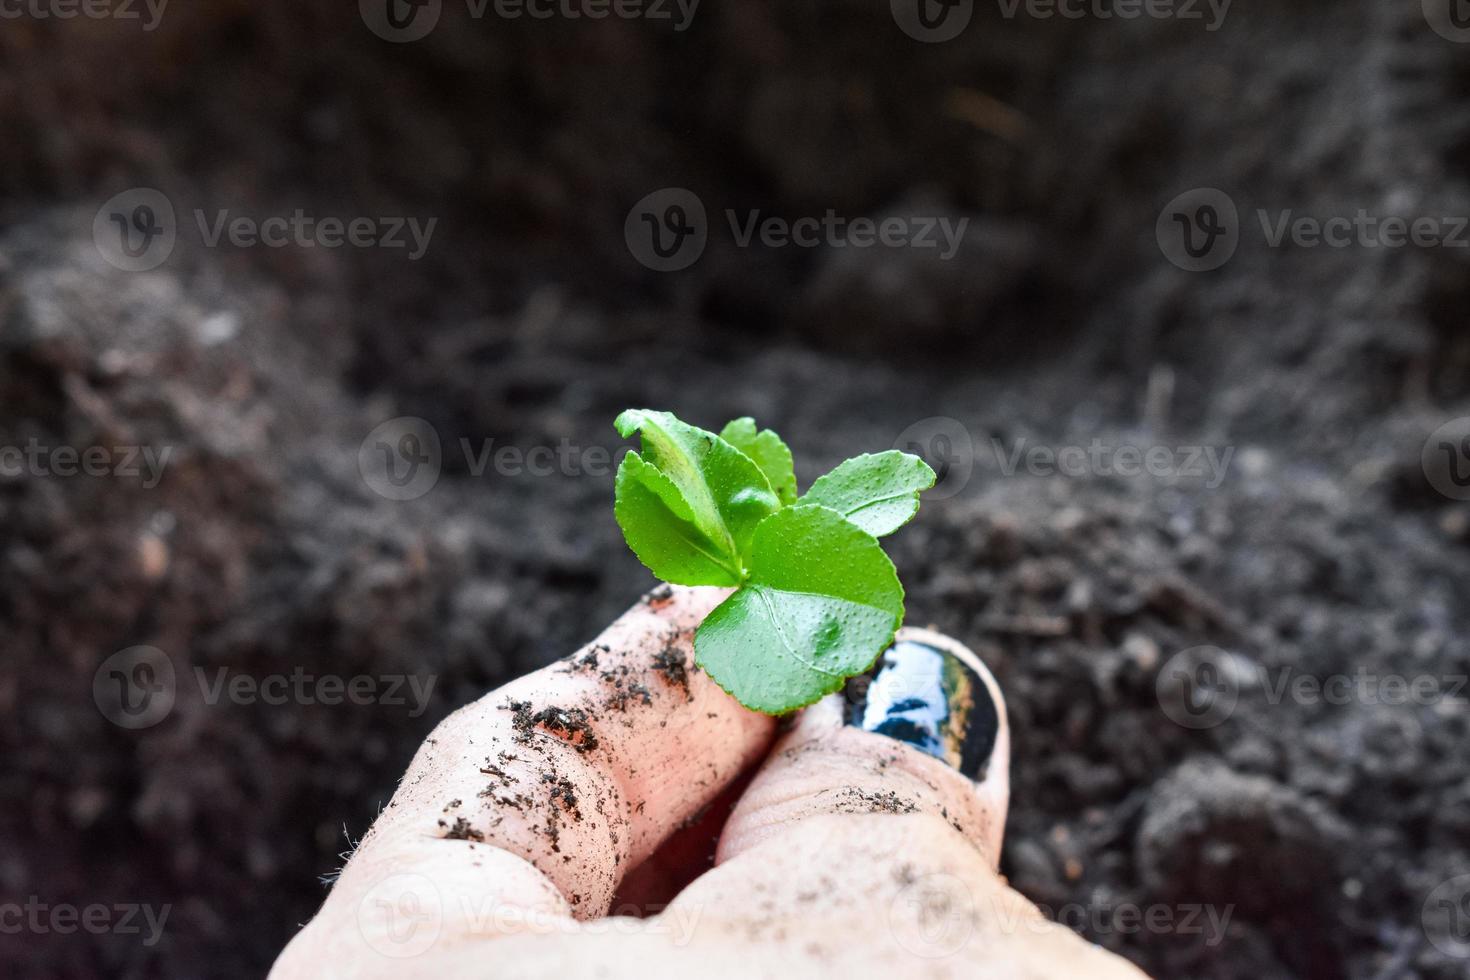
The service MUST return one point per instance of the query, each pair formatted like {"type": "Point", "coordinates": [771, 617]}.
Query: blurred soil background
{"type": "Point", "coordinates": [1324, 550]}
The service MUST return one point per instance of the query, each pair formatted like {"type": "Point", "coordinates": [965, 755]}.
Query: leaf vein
{"type": "Point", "coordinates": [776, 624]}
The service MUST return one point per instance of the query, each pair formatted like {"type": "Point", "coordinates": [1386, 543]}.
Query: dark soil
{"type": "Point", "coordinates": [1324, 550]}
{"type": "Point", "coordinates": [672, 664]}
{"type": "Point", "coordinates": [566, 723]}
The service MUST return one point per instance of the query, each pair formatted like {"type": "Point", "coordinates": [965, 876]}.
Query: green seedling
{"type": "Point", "coordinates": [816, 600]}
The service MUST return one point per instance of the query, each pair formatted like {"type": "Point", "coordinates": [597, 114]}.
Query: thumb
{"type": "Point", "coordinates": [880, 816]}
{"type": "Point", "coordinates": [926, 733]}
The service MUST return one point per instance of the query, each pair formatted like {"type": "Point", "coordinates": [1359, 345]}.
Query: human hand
{"type": "Point", "coordinates": [867, 841]}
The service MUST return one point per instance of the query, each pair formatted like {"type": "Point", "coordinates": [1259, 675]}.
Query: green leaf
{"type": "Point", "coordinates": [816, 598]}
{"type": "Point", "coordinates": [877, 492]}
{"type": "Point", "coordinates": [822, 601]}
{"type": "Point", "coordinates": [726, 492]}
{"type": "Point", "coordinates": [658, 525]}
{"type": "Point", "coordinates": [769, 453]}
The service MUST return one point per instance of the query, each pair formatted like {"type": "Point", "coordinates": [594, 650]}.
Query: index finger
{"type": "Point", "coordinates": [552, 787]}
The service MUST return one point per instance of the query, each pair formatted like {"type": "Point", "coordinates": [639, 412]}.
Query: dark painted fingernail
{"type": "Point", "coordinates": [926, 697]}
